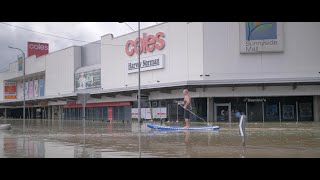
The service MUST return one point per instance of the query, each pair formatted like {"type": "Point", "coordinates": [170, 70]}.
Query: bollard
{"type": "Point", "coordinates": [242, 125]}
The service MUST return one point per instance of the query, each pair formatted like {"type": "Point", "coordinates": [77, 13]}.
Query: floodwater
{"type": "Point", "coordinates": [70, 139]}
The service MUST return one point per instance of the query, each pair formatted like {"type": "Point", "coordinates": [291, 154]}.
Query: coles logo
{"type": "Point", "coordinates": [38, 49]}
{"type": "Point", "coordinates": [148, 43]}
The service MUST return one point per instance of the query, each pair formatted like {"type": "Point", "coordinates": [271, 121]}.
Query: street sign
{"type": "Point", "coordinates": [83, 97]}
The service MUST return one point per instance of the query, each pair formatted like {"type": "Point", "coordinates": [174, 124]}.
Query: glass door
{"type": "Point", "coordinates": [222, 112]}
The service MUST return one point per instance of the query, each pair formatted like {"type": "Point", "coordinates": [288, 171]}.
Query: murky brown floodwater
{"type": "Point", "coordinates": [54, 139]}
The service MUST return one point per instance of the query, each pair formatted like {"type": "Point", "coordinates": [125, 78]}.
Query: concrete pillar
{"type": "Point", "coordinates": [52, 112]}
{"type": "Point", "coordinates": [59, 113]}
{"type": "Point", "coordinates": [49, 112]}
{"type": "Point", "coordinates": [316, 108]}
{"type": "Point", "coordinates": [210, 109]}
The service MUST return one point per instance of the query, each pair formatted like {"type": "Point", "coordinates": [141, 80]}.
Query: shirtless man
{"type": "Point", "coordinates": [187, 106]}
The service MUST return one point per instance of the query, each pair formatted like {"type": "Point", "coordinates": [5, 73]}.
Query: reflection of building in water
{"type": "Point", "coordinates": [24, 147]}
{"type": "Point", "coordinates": [135, 127]}
{"type": "Point", "coordinates": [9, 145]}
{"type": "Point", "coordinates": [81, 152]}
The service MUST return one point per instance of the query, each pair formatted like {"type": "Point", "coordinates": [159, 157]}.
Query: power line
{"type": "Point", "coordinates": [57, 36]}
{"type": "Point", "coordinates": [129, 26]}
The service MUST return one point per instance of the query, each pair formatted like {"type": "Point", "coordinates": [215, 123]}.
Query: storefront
{"type": "Point", "coordinates": [224, 72]}
{"type": "Point", "coordinates": [264, 109]}
{"type": "Point", "coordinates": [98, 111]}
{"type": "Point", "coordinates": [169, 110]}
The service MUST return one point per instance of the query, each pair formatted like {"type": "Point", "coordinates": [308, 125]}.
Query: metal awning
{"type": "Point", "coordinates": [167, 88]}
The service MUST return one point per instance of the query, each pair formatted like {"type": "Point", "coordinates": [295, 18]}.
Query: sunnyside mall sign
{"type": "Point", "coordinates": [258, 37]}
{"type": "Point", "coordinates": [148, 44]}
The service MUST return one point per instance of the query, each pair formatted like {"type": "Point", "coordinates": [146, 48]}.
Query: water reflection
{"type": "Point", "coordinates": [82, 152]}
{"type": "Point", "coordinates": [243, 145]}
{"type": "Point", "coordinates": [23, 147]}
{"type": "Point", "coordinates": [139, 140]}
{"type": "Point", "coordinates": [39, 139]}
{"type": "Point", "coordinates": [180, 143]}
{"type": "Point", "coordinates": [188, 143]}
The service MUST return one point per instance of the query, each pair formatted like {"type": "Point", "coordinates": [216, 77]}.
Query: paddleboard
{"type": "Point", "coordinates": [182, 128]}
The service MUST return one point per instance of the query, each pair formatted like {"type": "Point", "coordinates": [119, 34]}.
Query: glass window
{"type": "Point", "coordinates": [288, 108]}
{"type": "Point", "coordinates": [199, 107]}
{"type": "Point", "coordinates": [105, 113]}
{"type": "Point", "coordinates": [121, 113]}
{"type": "Point", "coordinates": [73, 113]}
{"type": "Point", "coordinates": [80, 114]}
{"type": "Point", "coordinates": [237, 105]}
{"type": "Point", "coordinates": [172, 111]}
{"type": "Point", "coordinates": [223, 113]}
{"type": "Point", "coordinates": [115, 113]}
{"type": "Point", "coordinates": [163, 103]}
{"type": "Point", "coordinates": [96, 113]}
{"type": "Point", "coordinates": [154, 103]}
{"type": "Point", "coordinates": [271, 111]}
{"type": "Point", "coordinates": [91, 112]}
{"type": "Point", "coordinates": [288, 112]}
{"type": "Point", "coordinates": [135, 104]}
{"type": "Point", "coordinates": [77, 114]}
{"type": "Point", "coordinates": [254, 111]}
{"type": "Point", "coordinates": [127, 110]}
{"type": "Point", "coordinates": [305, 111]}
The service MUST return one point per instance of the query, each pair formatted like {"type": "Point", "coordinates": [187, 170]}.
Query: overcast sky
{"type": "Point", "coordinates": [86, 31]}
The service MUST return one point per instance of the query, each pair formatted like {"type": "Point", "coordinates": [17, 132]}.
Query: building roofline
{"type": "Point", "coordinates": [134, 31]}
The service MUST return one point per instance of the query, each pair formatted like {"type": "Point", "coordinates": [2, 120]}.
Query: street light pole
{"type": "Point", "coordinates": [24, 86]}
{"type": "Point", "coordinates": [139, 87]}
{"type": "Point", "coordinates": [139, 66]}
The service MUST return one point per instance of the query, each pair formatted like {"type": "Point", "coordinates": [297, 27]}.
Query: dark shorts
{"type": "Point", "coordinates": [187, 114]}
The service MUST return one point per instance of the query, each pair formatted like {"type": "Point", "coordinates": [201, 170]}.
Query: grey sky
{"type": "Point", "coordinates": [86, 31]}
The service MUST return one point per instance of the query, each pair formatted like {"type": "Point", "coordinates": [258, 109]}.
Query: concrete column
{"type": "Point", "coordinates": [59, 113]}
{"type": "Point", "coordinates": [52, 112]}
{"type": "Point", "coordinates": [316, 108]}
{"type": "Point", "coordinates": [49, 112]}
{"type": "Point", "coordinates": [210, 109]}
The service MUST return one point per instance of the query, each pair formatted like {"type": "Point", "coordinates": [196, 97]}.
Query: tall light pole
{"type": "Point", "coordinates": [139, 89]}
{"type": "Point", "coordinates": [139, 79]}
{"type": "Point", "coordinates": [24, 86]}
{"type": "Point", "coordinates": [139, 66]}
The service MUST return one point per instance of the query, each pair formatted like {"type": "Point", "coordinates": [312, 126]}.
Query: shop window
{"type": "Point", "coordinates": [305, 111]}
{"type": "Point", "coordinates": [271, 111]}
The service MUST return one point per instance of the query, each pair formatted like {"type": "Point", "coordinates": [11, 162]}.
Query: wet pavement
{"type": "Point", "coordinates": [70, 139]}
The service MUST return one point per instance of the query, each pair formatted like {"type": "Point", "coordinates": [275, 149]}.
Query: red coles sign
{"type": "Point", "coordinates": [148, 43]}
{"type": "Point", "coordinates": [38, 49]}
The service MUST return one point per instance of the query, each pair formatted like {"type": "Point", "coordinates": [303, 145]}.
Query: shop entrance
{"type": "Point", "coordinates": [222, 112]}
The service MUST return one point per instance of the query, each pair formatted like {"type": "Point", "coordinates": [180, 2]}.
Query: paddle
{"type": "Point", "coordinates": [190, 111]}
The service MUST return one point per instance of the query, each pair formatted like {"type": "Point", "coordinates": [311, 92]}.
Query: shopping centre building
{"type": "Point", "coordinates": [268, 70]}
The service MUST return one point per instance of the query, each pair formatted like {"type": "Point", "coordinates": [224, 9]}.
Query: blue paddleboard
{"type": "Point", "coordinates": [182, 128]}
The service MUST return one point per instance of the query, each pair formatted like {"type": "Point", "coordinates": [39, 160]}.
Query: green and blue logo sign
{"type": "Point", "coordinates": [261, 30]}
{"type": "Point", "coordinates": [259, 37]}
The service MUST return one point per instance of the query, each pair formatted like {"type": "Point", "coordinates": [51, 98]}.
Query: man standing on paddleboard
{"type": "Point", "coordinates": [187, 107]}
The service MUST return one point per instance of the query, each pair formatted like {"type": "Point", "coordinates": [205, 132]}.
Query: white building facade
{"type": "Point", "coordinates": [267, 70]}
